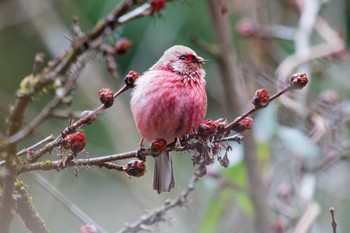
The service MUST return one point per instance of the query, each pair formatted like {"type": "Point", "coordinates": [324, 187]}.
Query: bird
{"type": "Point", "coordinates": [168, 101]}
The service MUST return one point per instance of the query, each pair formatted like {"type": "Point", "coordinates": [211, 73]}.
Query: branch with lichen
{"type": "Point", "coordinates": [27, 212]}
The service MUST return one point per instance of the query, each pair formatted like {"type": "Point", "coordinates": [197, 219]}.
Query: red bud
{"type": "Point", "coordinates": [245, 124]}
{"type": "Point", "coordinates": [261, 98]}
{"type": "Point", "coordinates": [75, 142]}
{"type": "Point", "coordinates": [158, 146]}
{"type": "Point", "coordinates": [130, 78]}
{"type": "Point", "coordinates": [299, 81]}
{"type": "Point", "coordinates": [135, 168]}
{"type": "Point", "coordinates": [106, 97]}
{"type": "Point", "coordinates": [207, 128]}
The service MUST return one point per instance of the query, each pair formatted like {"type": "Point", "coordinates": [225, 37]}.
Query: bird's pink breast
{"type": "Point", "coordinates": [167, 106]}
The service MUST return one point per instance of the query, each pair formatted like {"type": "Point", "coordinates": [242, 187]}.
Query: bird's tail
{"type": "Point", "coordinates": [163, 180]}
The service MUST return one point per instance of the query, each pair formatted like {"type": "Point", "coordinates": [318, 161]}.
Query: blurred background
{"type": "Point", "coordinates": [301, 142]}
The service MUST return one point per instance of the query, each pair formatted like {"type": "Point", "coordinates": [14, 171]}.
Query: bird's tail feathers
{"type": "Point", "coordinates": [163, 180]}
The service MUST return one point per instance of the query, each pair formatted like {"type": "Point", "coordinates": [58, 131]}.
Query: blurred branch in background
{"type": "Point", "coordinates": [235, 89]}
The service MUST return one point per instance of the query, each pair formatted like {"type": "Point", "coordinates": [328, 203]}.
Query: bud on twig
{"type": "Point", "coordinates": [158, 146]}
{"type": "Point", "coordinates": [106, 97]}
{"type": "Point", "coordinates": [74, 142]}
{"type": "Point", "coordinates": [245, 124]}
{"type": "Point", "coordinates": [261, 98]}
{"type": "Point", "coordinates": [207, 128]}
{"type": "Point", "coordinates": [298, 81]}
{"type": "Point", "coordinates": [130, 78]}
{"type": "Point", "coordinates": [135, 168]}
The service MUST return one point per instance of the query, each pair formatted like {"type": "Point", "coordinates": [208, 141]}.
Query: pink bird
{"type": "Point", "coordinates": [169, 101]}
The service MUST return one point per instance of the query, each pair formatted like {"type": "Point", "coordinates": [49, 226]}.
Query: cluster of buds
{"type": "Point", "coordinates": [135, 168]}
{"type": "Point", "coordinates": [130, 78]}
{"type": "Point", "coordinates": [299, 81]}
{"type": "Point", "coordinates": [158, 146]}
{"type": "Point", "coordinates": [74, 142]}
{"type": "Point", "coordinates": [207, 128]}
{"type": "Point", "coordinates": [157, 5]}
{"type": "Point", "coordinates": [106, 97]}
{"type": "Point", "coordinates": [261, 98]}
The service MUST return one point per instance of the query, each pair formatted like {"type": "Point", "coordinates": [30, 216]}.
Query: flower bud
{"type": "Point", "coordinates": [299, 81]}
{"type": "Point", "coordinates": [135, 168]}
{"type": "Point", "coordinates": [74, 142]}
{"type": "Point", "coordinates": [106, 97]}
{"type": "Point", "coordinates": [157, 5]}
{"type": "Point", "coordinates": [261, 98]}
{"type": "Point", "coordinates": [245, 124]}
{"type": "Point", "coordinates": [123, 45]}
{"type": "Point", "coordinates": [207, 128]}
{"type": "Point", "coordinates": [130, 78]}
{"type": "Point", "coordinates": [158, 146]}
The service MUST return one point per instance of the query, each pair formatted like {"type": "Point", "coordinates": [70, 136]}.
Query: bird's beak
{"type": "Point", "coordinates": [200, 61]}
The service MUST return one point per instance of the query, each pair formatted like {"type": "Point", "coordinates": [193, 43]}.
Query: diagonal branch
{"type": "Point", "coordinates": [157, 215]}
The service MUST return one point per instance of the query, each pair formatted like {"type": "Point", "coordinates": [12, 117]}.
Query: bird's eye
{"type": "Point", "coordinates": [183, 57]}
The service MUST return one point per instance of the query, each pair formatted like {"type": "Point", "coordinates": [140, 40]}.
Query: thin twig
{"type": "Point", "coordinates": [98, 161]}
{"type": "Point", "coordinates": [158, 214]}
{"type": "Point", "coordinates": [45, 140]}
{"type": "Point", "coordinates": [334, 221]}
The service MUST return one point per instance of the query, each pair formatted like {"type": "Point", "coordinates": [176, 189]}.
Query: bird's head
{"type": "Point", "coordinates": [180, 59]}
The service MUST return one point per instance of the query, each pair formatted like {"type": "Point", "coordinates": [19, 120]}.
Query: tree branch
{"type": "Point", "coordinates": [158, 214]}
{"type": "Point", "coordinates": [27, 212]}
